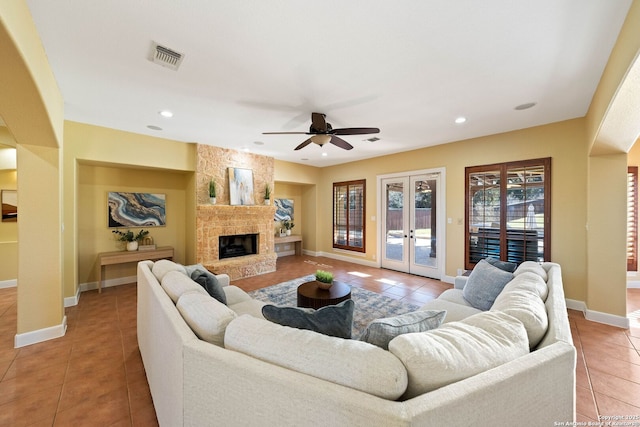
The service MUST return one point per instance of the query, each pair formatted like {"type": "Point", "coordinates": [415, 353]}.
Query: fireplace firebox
{"type": "Point", "coordinates": [238, 245]}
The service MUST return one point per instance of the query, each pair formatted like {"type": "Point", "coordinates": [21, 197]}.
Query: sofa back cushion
{"type": "Point", "coordinates": [162, 267]}
{"type": "Point", "coordinates": [521, 299]}
{"type": "Point", "coordinates": [355, 364]}
{"type": "Point", "coordinates": [175, 284]}
{"type": "Point", "coordinates": [206, 316]}
{"type": "Point", "coordinates": [459, 350]}
{"type": "Point", "coordinates": [533, 267]}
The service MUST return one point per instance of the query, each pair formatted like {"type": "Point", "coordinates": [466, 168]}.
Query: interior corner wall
{"type": "Point", "coordinates": [39, 250]}
{"type": "Point", "coordinates": [94, 183]}
{"type": "Point", "coordinates": [8, 234]}
{"type": "Point", "coordinates": [149, 163]}
{"type": "Point", "coordinates": [607, 230]}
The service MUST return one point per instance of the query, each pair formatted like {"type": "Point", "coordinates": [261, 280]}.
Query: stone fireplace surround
{"type": "Point", "coordinates": [213, 221]}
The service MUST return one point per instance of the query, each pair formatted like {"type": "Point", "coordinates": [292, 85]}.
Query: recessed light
{"type": "Point", "coordinates": [460, 120]}
{"type": "Point", "coordinates": [324, 154]}
{"type": "Point", "coordinates": [153, 127]}
{"type": "Point", "coordinates": [245, 149]}
{"type": "Point", "coordinates": [525, 106]}
{"type": "Point", "coordinates": [166, 113]}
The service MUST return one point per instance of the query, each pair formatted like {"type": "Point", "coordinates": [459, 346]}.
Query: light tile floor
{"type": "Point", "coordinates": [94, 374]}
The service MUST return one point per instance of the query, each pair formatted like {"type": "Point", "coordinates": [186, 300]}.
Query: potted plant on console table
{"type": "Point", "coordinates": [132, 240]}
{"type": "Point", "coordinates": [288, 226]}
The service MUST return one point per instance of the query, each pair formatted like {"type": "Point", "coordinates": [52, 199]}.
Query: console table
{"type": "Point", "coordinates": [123, 257]}
{"type": "Point", "coordinates": [294, 238]}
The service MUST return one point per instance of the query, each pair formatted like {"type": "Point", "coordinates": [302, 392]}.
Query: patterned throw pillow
{"type": "Point", "coordinates": [332, 320]}
{"type": "Point", "coordinates": [380, 331]}
{"type": "Point", "coordinates": [484, 284]}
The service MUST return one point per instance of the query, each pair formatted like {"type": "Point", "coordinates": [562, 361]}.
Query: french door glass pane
{"type": "Point", "coordinates": [424, 234]}
{"type": "Point", "coordinates": [395, 221]}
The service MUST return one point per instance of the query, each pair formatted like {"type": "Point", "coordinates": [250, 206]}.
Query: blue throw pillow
{"type": "Point", "coordinates": [381, 331]}
{"type": "Point", "coordinates": [502, 265]}
{"type": "Point", "coordinates": [334, 320]}
{"type": "Point", "coordinates": [210, 283]}
{"type": "Point", "coordinates": [484, 284]}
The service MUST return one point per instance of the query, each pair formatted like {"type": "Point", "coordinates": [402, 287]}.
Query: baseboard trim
{"type": "Point", "coordinates": [74, 300]}
{"type": "Point", "coordinates": [90, 286]}
{"type": "Point", "coordinates": [349, 259]}
{"type": "Point", "coordinates": [634, 284]}
{"type": "Point", "coordinates": [46, 334]}
{"type": "Point", "coordinates": [598, 316]}
{"type": "Point", "coordinates": [8, 283]}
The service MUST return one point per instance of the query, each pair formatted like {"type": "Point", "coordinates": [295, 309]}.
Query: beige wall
{"type": "Point", "coordinates": [563, 142]}
{"type": "Point", "coordinates": [94, 236]}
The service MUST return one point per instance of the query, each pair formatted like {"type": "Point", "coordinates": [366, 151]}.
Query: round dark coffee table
{"type": "Point", "coordinates": [311, 296]}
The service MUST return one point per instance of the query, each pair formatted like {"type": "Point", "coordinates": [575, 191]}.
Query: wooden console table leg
{"type": "Point", "coordinates": [102, 267]}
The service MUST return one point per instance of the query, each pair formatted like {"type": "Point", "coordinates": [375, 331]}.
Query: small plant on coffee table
{"type": "Point", "coordinates": [324, 279]}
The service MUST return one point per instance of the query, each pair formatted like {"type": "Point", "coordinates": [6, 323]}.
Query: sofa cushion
{"type": "Point", "coordinates": [334, 320]}
{"type": "Point", "coordinates": [459, 350]}
{"type": "Point", "coordinates": [484, 284]}
{"type": "Point", "coordinates": [351, 363]}
{"type": "Point", "coordinates": [455, 311]}
{"type": "Point", "coordinates": [502, 265]}
{"type": "Point", "coordinates": [380, 331]}
{"type": "Point", "coordinates": [521, 299]}
{"type": "Point", "coordinates": [163, 266]}
{"type": "Point", "coordinates": [210, 284]}
{"type": "Point", "coordinates": [533, 281]}
{"type": "Point", "coordinates": [532, 267]}
{"type": "Point", "coordinates": [252, 307]}
{"type": "Point", "coordinates": [207, 317]}
{"type": "Point", "coordinates": [235, 295]}
{"type": "Point", "coordinates": [175, 284]}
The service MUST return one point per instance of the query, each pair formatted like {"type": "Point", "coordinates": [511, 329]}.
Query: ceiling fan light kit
{"type": "Point", "coordinates": [323, 133]}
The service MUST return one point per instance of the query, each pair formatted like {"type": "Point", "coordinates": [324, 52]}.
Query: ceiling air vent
{"type": "Point", "coordinates": [166, 57]}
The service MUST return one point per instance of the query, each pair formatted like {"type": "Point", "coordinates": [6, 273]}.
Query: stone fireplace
{"type": "Point", "coordinates": [215, 223]}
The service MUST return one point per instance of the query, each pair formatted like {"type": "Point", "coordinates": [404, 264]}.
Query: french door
{"type": "Point", "coordinates": [412, 227]}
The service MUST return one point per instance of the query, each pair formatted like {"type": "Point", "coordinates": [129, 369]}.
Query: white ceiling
{"type": "Point", "coordinates": [409, 67]}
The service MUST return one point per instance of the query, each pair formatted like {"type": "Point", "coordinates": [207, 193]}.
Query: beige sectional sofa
{"type": "Point", "coordinates": [213, 364]}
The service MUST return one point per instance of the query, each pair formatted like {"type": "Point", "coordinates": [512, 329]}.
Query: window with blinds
{"type": "Point", "coordinates": [349, 215]}
{"type": "Point", "coordinates": [507, 211]}
{"type": "Point", "coordinates": [632, 218]}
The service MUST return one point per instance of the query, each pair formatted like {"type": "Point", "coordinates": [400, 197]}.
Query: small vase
{"type": "Point", "coordinates": [132, 246]}
{"type": "Point", "coordinates": [288, 232]}
{"type": "Point", "coordinates": [267, 202]}
{"type": "Point", "coordinates": [323, 285]}
{"type": "Point", "coordinates": [212, 200]}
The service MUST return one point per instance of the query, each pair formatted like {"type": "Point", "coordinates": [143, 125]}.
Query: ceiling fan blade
{"type": "Point", "coordinates": [339, 142]}
{"type": "Point", "coordinates": [318, 123]}
{"type": "Point", "coordinates": [304, 144]}
{"type": "Point", "coordinates": [354, 131]}
{"type": "Point", "coordinates": [285, 133]}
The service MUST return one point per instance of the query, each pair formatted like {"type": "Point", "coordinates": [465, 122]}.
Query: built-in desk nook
{"type": "Point", "coordinates": [122, 257]}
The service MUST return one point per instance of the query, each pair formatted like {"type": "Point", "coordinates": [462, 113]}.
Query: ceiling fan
{"type": "Point", "coordinates": [323, 133]}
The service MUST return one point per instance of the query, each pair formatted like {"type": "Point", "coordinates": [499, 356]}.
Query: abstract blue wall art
{"type": "Point", "coordinates": [136, 210]}
{"type": "Point", "coordinates": [284, 209]}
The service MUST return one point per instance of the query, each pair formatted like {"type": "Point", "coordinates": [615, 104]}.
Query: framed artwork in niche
{"type": "Point", "coordinates": [136, 210]}
{"type": "Point", "coordinates": [9, 206]}
{"type": "Point", "coordinates": [284, 209]}
{"type": "Point", "coordinates": [241, 186]}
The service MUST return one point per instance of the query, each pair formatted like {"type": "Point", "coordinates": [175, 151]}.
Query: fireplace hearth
{"type": "Point", "coordinates": [237, 245]}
